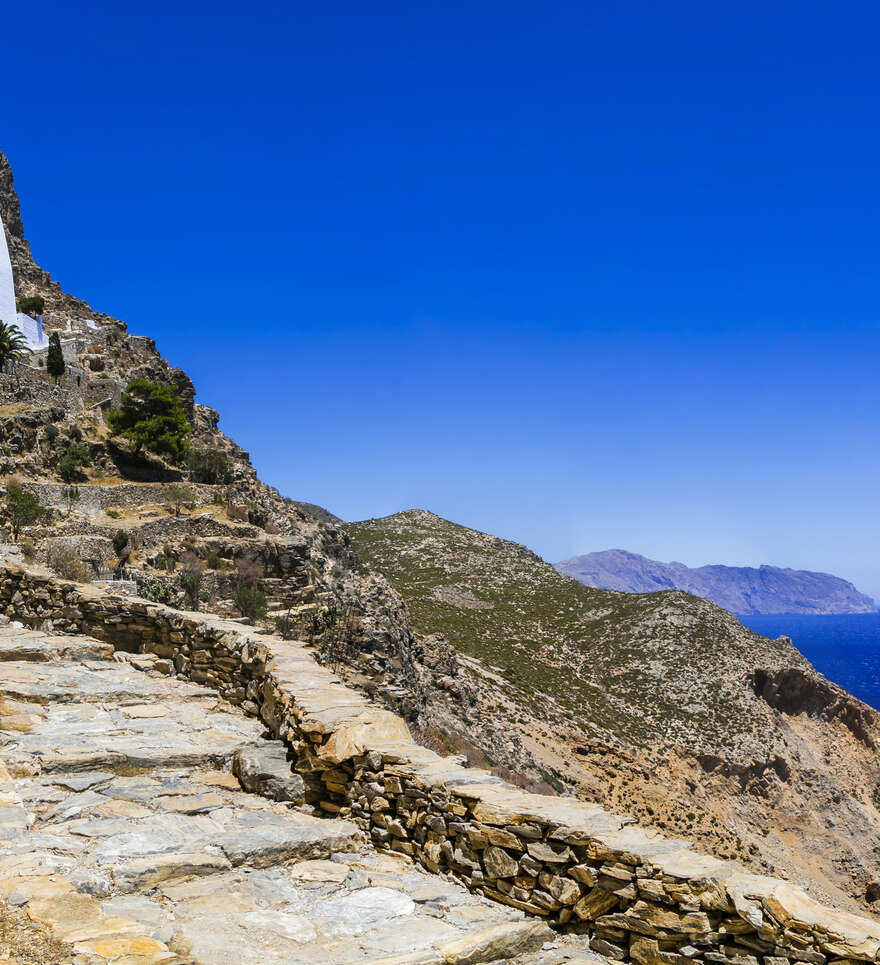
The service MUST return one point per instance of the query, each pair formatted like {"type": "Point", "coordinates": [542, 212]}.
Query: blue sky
{"type": "Point", "coordinates": [581, 275]}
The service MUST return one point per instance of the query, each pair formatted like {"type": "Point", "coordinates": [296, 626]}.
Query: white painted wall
{"type": "Point", "coordinates": [32, 329]}
{"type": "Point", "coordinates": [8, 312]}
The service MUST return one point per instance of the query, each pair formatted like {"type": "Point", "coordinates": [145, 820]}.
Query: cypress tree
{"type": "Point", "coordinates": [55, 361]}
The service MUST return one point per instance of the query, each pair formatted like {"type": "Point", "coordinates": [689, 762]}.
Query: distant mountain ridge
{"type": "Point", "coordinates": [744, 590]}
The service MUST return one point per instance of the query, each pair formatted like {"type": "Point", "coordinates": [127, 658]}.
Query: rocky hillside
{"type": "Point", "coordinates": [663, 705]}
{"type": "Point", "coordinates": [741, 589]}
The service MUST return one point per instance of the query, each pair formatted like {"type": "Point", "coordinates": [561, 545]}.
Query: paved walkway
{"type": "Point", "coordinates": [125, 837]}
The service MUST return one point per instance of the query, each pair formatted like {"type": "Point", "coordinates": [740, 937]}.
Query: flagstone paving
{"type": "Point", "coordinates": [125, 838]}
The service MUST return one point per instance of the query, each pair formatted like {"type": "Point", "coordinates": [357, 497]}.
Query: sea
{"type": "Point", "coordinates": [844, 647]}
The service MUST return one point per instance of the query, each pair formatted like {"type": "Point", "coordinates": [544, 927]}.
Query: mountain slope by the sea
{"type": "Point", "coordinates": [745, 590]}
{"type": "Point", "coordinates": [662, 704]}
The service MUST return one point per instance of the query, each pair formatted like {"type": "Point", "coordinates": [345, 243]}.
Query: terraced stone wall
{"type": "Point", "coordinates": [94, 499]}
{"type": "Point", "coordinates": [642, 897]}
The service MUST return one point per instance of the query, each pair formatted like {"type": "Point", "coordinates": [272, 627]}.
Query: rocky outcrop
{"type": "Point", "coordinates": [745, 590]}
{"type": "Point", "coordinates": [793, 691]}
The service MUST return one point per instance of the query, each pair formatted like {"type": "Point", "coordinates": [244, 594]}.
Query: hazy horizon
{"type": "Point", "coordinates": [605, 549]}
{"type": "Point", "coordinates": [576, 277]}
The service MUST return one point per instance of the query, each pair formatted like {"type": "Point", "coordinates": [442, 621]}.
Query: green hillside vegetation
{"type": "Point", "coordinates": [647, 669]}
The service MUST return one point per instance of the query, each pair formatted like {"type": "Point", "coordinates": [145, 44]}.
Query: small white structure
{"type": "Point", "coordinates": [30, 328]}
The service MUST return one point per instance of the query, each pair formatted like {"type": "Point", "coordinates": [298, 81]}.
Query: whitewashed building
{"type": "Point", "coordinates": [30, 328]}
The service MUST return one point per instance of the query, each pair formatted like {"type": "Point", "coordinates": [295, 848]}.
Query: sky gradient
{"type": "Point", "coordinates": [583, 276]}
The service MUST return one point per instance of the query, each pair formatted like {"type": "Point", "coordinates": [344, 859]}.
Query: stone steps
{"type": "Point", "coordinates": [123, 831]}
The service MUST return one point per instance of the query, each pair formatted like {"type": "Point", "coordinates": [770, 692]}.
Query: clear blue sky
{"type": "Point", "coordinates": [582, 275]}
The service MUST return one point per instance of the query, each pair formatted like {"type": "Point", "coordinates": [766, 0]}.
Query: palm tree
{"type": "Point", "coordinates": [12, 345]}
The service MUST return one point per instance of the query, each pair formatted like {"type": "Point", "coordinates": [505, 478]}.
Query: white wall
{"type": "Point", "coordinates": [8, 312]}
{"type": "Point", "coordinates": [32, 331]}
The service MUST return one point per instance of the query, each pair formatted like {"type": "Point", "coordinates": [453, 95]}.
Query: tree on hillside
{"type": "Point", "coordinates": [249, 598]}
{"type": "Point", "coordinates": [75, 455]}
{"type": "Point", "coordinates": [13, 346]}
{"type": "Point", "coordinates": [120, 541]}
{"type": "Point", "coordinates": [179, 496]}
{"type": "Point", "coordinates": [55, 359]}
{"type": "Point", "coordinates": [191, 571]}
{"type": "Point", "coordinates": [150, 416]}
{"type": "Point", "coordinates": [208, 466]}
{"type": "Point", "coordinates": [71, 495]}
{"type": "Point", "coordinates": [22, 507]}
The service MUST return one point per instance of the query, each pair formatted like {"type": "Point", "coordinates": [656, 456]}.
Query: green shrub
{"type": "Point", "coordinates": [209, 466]}
{"type": "Point", "coordinates": [71, 495]}
{"type": "Point", "coordinates": [32, 305]}
{"type": "Point", "coordinates": [22, 507]}
{"type": "Point", "coordinates": [67, 564]}
{"type": "Point", "coordinates": [251, 603]}
{"type": "Point", "coordinates": [191, 571]}
{"type": "Point", "coordinates": [284, 627]}
{"type": "Point", "coordinates": [120, 541]}
{"type": "Point", "coordinates": [74, 456]}
{"type": "Point", "coordinates": [156, 591]}
{"type": "Point", "coordinates": [113, 513]}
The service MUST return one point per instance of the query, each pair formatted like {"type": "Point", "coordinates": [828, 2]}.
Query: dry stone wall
{"type": "Point", "coordinates": [642, 897]}
{"type": "Point", "coordinates": [93, 499]}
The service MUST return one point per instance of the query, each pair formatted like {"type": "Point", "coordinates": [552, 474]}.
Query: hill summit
{"type": "Point", "coordinates": [745, 590]}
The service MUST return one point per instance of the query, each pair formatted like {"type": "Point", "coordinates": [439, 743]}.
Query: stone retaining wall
{"type": "Point", "coordinates": [642, 897]}
{"type": "Point", "coordinates": [94, 499]}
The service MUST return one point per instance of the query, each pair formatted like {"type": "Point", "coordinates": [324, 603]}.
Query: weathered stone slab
{"type": "Point", "coordinates": [264, 769]}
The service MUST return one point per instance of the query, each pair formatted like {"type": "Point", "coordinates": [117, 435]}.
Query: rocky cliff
{"type": "Point", "coordinates": [744, 590]}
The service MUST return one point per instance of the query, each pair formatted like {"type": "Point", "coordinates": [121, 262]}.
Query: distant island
{"type": "Point", "coordinates": [744, 590]}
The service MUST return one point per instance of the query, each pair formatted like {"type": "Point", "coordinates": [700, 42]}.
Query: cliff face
{"type": "Point", "coordinates": [745, 590]}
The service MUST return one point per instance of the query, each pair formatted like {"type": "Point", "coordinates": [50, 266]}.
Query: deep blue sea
{"type": "Point", "coordinates": [845, 648]}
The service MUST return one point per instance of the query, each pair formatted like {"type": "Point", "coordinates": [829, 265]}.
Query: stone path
{"type": "Point", "coordinates": [126, 838]}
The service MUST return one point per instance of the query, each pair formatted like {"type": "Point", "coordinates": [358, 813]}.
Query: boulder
{"type": "Point", "coordinates": [264, 769]}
